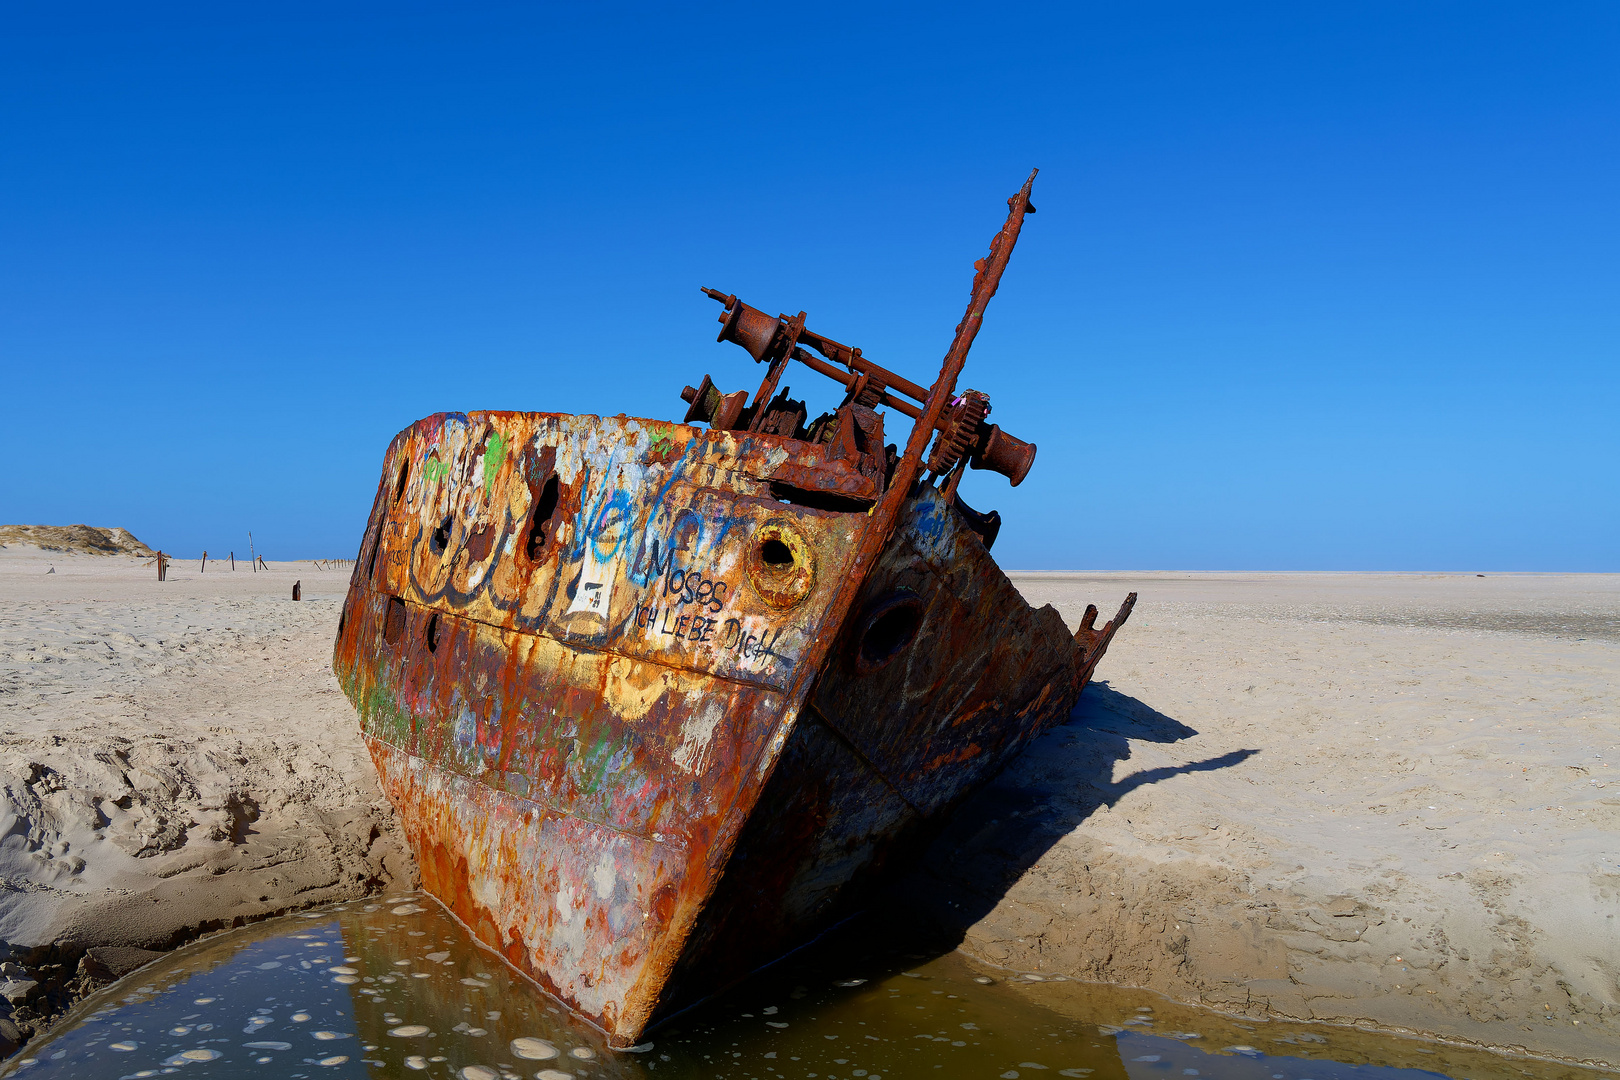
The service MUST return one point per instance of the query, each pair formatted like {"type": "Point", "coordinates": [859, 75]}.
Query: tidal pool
{"type": "Point", "coordinates": [396, 988]}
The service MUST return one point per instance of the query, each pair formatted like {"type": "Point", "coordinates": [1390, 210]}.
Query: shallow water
{"type": "Point", "coordinates": [399, 989]}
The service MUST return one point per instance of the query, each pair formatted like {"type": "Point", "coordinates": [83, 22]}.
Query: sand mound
{"type": "Point", "coordinates": [79, 539]}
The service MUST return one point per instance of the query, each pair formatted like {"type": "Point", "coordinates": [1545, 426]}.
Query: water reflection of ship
{"type": "Point", "coordinates": [453, 1004]}
{"type": "Point", "coordinates": [658, 704]}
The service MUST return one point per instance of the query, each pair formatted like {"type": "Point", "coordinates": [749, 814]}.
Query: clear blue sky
{"type": "Point", "coordinates": [1312, 286]}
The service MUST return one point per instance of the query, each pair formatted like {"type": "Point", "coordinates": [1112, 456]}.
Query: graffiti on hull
{"type": "Point", "coordinates": [642, 549]}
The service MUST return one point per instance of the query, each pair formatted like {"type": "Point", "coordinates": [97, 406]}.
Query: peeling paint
{"type": "Point", "coordinates": [658, 703]}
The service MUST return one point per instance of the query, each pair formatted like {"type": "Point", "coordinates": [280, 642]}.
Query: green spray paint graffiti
{"type": "Point", "coordinates": [494, 453]}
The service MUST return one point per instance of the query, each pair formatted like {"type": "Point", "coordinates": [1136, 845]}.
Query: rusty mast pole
{"type": "Point", "coordinates": [884, 516]}
{"type": "Point", "coordinates": [985, 282]}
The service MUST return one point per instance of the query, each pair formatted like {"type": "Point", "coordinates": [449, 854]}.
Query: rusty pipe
{"type": "Point", "coordinates": [760, 335]}
{"type": "Point", "coordinates": [756, 332]}
{"type": "Point", "coordinates": [993, 449]}
{"type": "Point", "coordinates": [852, 358]}
{"type": "Point", "coordinates": [849, 379]}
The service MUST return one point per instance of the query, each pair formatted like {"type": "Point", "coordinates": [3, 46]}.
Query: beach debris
{"type": "Point", "coordinates": [298, 587]}
{"type": "Point", "coordinates": [658, 703]}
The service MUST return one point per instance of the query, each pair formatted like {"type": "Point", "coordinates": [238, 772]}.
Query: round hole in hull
{"type": "Point", "coordinates": [781, 563]}
{"type": "Point", "coordinates": [775, 553]}
{"type": "Point", "coordinates": [888, 628]}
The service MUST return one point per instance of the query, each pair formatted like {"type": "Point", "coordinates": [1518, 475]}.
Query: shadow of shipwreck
{"type": "Point", "coordinates": [987, 846]}
{"type": "Point", "coordinates": [1002, 831]}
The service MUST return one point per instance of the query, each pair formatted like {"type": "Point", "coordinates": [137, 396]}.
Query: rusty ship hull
{"type": "Point", "coordinates": [656, 703]}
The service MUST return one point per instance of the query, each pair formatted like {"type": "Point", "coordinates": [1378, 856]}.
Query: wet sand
{"type": "Point", "coordinates": [1385, 798]}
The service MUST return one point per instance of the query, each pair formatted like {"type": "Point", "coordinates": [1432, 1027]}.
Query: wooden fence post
{"type": "Point", "coordinates": [253, 559]}
{"type": "Point", "coordinates": [204, 565]}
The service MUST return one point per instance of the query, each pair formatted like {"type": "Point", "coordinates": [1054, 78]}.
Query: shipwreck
{"type": "Point", "coordinates": [658, 702]}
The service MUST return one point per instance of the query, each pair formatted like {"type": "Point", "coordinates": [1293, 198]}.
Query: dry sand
{"type": "Point", "coordinates": [175, 757]}
{"type": "Point", "coordinates": [1350, 797]}
{"type": "Point", "coordinates": [1384, 798]}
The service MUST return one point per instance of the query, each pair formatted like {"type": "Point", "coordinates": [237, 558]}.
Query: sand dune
{"type": "Point", "coordinates": [75, 539]}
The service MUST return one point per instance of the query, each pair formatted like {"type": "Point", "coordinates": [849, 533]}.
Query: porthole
{"type": "Point", "coordinates": [886, 631]}
{"type": "Point", "coordinates": [781, 563]}
{"type": "Point", "coordinates": [775, 554]}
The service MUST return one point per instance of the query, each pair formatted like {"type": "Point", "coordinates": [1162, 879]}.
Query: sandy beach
{"type": "Point", "coordinates": [176, 757]}
{"type": "Point", "coordinates": [1387, 799]}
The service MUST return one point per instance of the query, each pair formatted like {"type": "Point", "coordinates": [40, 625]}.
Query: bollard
{"type": "Point", "coordinates": [297, 590]}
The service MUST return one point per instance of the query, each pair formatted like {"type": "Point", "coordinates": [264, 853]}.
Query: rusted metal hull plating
{"type": "Point", "coordinates": [656, 704]}
{"type": "Point", "coordinates": [587, 732]}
